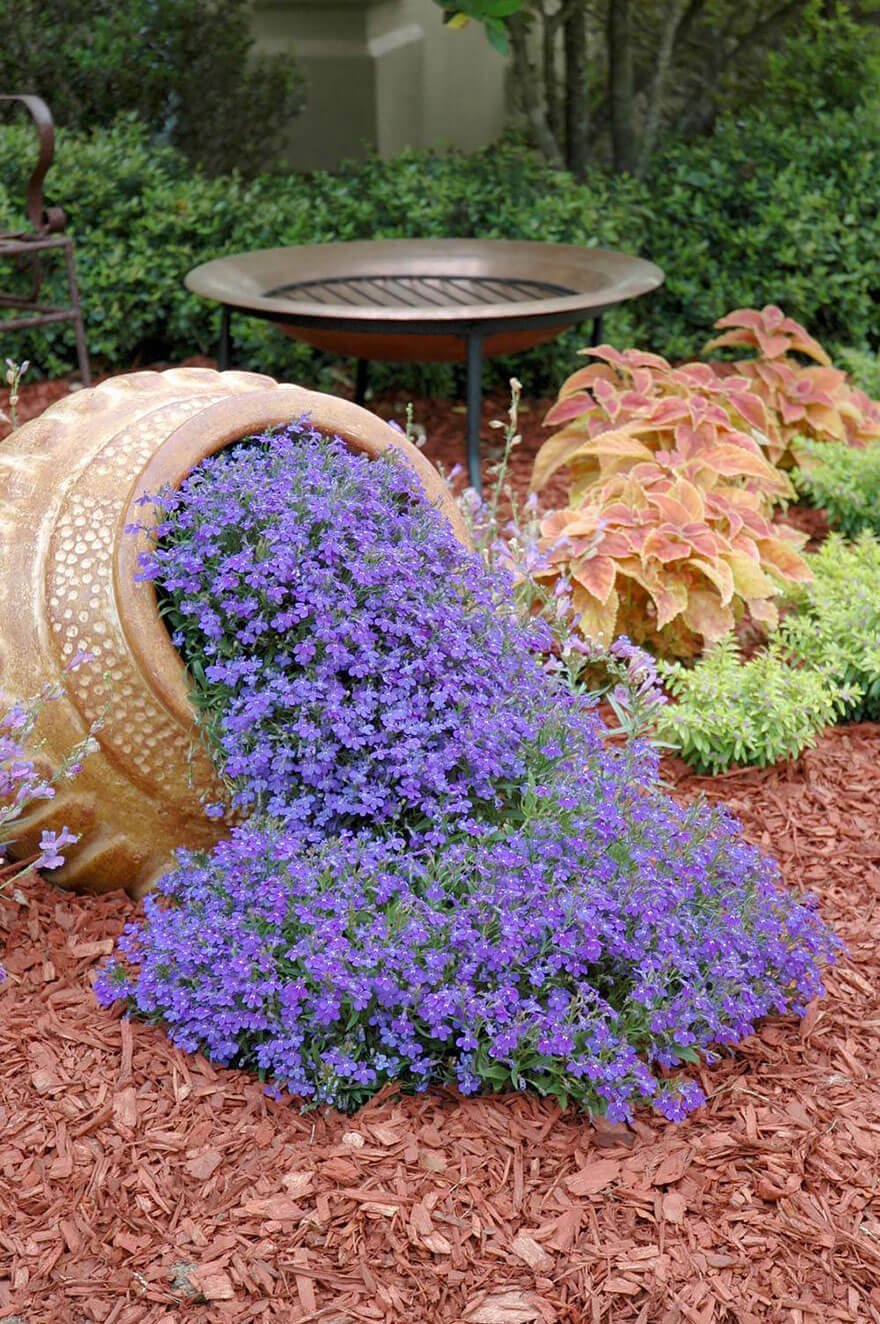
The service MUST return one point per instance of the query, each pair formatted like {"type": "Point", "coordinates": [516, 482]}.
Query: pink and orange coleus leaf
{"type": "Point", "coordinates": [585, 379]}
{"type": "Point", "coordinates": [627, 360]}
{"type": "Point", "coordinates": [666, 545]}
{"type": "Point", "coordinates": [569, 407]}
{"type": "Point", "coordinates": [779, 557]}
{"type": "Point", "coordinates": [707, 617]}
{"type": "Point", "coordinates": [596, 574]}
{"type": "Point", "coordinates": [770, 332]}
{"type": "Point", "coordinates": [597, 620]}
{"type": "Point", "coordinates": [749, 580]}
{"type": "Point", "coordinates": [555, 454]}
{"type": "Point", "coordinates": [732, 461]}
{"type": "Point", "coordinates": [764, 612]}
{"type": "Point", "coordinates": [718, 573]}
{"type": "Point", "coordinates": [670, 509]}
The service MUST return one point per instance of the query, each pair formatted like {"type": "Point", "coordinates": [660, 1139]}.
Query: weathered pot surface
{"type": "Point", "coordinates": [70, 481]}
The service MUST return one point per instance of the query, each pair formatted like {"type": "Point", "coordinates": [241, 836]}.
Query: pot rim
{"type": "Point", "coordinates": [207, 432]}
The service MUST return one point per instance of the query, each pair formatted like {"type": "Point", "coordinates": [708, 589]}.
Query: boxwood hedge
{"type": "Point", "coordinates": [758, 213]}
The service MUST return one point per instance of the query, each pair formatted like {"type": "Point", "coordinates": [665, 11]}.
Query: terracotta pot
{"type": "Point", "coordinates": [69, 482]}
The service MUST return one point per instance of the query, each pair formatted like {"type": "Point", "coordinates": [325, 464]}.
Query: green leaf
{"type": "Point", "coordinates": [497, 34]}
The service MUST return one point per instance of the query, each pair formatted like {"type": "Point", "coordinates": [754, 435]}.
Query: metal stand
{"type": "Point", "coordinates": [82, 352]}
{"type": "Point", "coordinates": [474, 408]}
{"type": "Point", "coordinates": [361, 381]}
{"type": "Point", "coordinates": [475, 400]}
{"type": "Point", "coordinates": [474, 365]}
{"type": "Point", "coordinates": [25, 247]}
{"type": "Point", "coordinates": [224, 349]}
{"type": "Point", "coordinates": [42, 314]}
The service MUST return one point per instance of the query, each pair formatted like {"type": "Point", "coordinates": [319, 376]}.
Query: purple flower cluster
{"type": "Point", "coordinates": [584, 947]}
{"type": "Point", "coordinates": [22, 783]}
{"type": "Point", "coordinates": [450, 875]}
{"type": "Point", "coordinates": [353, 663]}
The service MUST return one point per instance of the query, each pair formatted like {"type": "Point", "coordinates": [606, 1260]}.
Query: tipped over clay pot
{"type": "Point", "coordinates": [69, 483]}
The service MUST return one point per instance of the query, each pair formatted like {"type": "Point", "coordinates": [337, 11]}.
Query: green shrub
{"type": "Point", "coordinates": [756, 712]}
{"type": "Point", "coordinates": [864, 368]}
{"type": "Point", "coordinates": [829, 60]}
{"type": "Point", "coordinates": [842, 480]}
{"type": "Point", "coordinates": [142, 218]}
{"type": "Point", "coordinates": [834, 627]}
{"type": "Point", "coordinates": [185, 67]}
{"type": "Point", "coordinates": [764, 212]}
{"type": "Point", "coordinates": [755, 215]}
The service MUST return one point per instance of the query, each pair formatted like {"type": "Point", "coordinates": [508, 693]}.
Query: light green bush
{"type": "Point", "coordinates": [842, 480]}
{"type": "Point", "coordinates": [834, 625]}
{"type": "Point", "coordinates": [756, 712]}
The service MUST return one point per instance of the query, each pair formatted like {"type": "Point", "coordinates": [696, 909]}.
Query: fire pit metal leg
{"type": "Point", "coordinates": [224, 349]}
{"type": "Point", "coordinates": [474, 408]}
{"type": "Point", "coordinates": [361, 381]}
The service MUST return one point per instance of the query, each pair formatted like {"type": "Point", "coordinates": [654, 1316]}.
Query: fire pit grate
{"type": "Point", "coordinates": [418, 291]}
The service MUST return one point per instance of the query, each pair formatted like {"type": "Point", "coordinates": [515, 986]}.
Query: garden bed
{"type": "Point", "coordinates": [139, 1183]}
{"type": "Point", "coordinates": [126, 1160]}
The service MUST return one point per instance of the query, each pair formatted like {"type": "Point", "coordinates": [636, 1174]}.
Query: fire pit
{"type": "Point", "coordinates": [424, 300]}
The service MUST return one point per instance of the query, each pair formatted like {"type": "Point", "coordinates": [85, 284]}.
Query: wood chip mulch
{"type": "Point", "coordinates": [139, 1184]}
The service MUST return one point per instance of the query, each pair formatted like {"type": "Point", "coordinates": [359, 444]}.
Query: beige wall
{"type": "Point", "coordinates": [383, 74]}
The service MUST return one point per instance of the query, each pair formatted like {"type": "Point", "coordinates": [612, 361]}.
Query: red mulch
{"type": "Point", "coordinates": [124, 1160]}
{"type": "Point", "coordinates": [140, 1184]}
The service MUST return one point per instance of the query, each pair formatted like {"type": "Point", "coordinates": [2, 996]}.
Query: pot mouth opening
{"type": "Point", "coordinates": [217, 427]}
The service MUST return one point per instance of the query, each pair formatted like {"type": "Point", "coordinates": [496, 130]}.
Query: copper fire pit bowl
{"type": "Point", "coordinates": [424, 300]}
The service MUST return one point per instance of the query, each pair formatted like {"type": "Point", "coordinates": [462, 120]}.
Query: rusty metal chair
{"type": "Point", "coordinates": [27, 246]}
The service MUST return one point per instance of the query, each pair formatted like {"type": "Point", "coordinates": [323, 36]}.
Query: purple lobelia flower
{"type": "Point", "coordinates": [449, 875]}
{"type": "Point", "coordinates": [585, 947]}
{"type": "Point", "coordinates": [352, 662]}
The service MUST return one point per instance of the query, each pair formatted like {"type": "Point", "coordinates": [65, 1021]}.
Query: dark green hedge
{"type": "Point", "coordinates": [763, 213]}
{"type": "Point", "coordinates": [757, 214]}
{"type": "Point", "coordinates": [187, 68]}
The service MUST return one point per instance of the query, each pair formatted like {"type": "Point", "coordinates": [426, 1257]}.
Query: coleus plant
{"type": "Point", "coordinates": [667, 536]}
{"type": "Point", "coordinates": [631, 393]}
{"type": "Point", "coordinates": [815, 400]}
{"type": "Point", "coordinates": [670, 555]}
